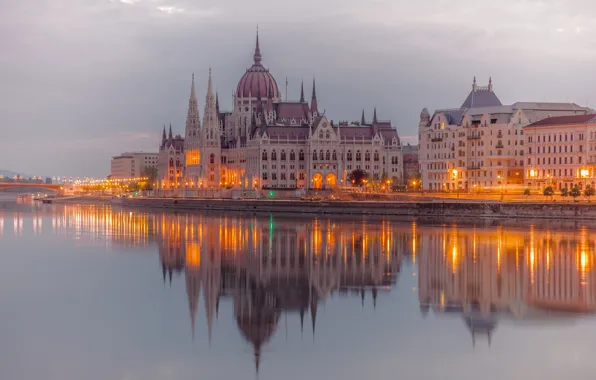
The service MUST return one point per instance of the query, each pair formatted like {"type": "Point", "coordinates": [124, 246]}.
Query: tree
{"type": "Point", "coordinates": [357, 177]}
{"type": "Point", "coordinates": [575, 193]}
{"type": "Point", "coordinates": [527, 193]}
{"type": "Point", "coordinates": [589, 192]}
{"type": "Point", "coordinates": [151, 174]}
{"type": "Point", "coordinates": [564, 192]}
{"type": "Point", "coordinates": [549, 191]}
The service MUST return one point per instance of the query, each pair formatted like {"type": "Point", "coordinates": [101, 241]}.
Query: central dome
{"type": "Point", "coordinates": [257, 80]}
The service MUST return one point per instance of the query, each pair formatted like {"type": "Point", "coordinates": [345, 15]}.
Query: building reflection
{"type": "Point", "coordinates": [490, 274]}
{"type": "Point", "coordinates": [270, 266]}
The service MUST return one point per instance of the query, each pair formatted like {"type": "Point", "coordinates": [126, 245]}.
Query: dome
{"type": "Point", "coordinates": [424, 113]}
{"type": "Point", "coordinates": [257, 79]}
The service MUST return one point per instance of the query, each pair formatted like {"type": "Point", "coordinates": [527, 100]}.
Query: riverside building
{"type": "Point", "coordinates": [480, 145]}
{"type": "Point", "coordinates": [266, 142]}
{"type": "Point", "coordinates": [132, 165]}
{"type": "Point", "coordinates": [561, 152]}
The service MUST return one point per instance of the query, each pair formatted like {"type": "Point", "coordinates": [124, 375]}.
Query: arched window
{"type": "Point", "coordinates": [212, 158]}
{"type": "Point", "coordinates": [327, 135]}
{"type": "Point", "coordinates": [334, 156]}
{"type": "Point", "coordinates": [314, 155]}
{"type": "Point", "coordinates": [283, 155]}
{"type": "Point", "coordinates": [358, 156]}
{"type": "Point", "coordinates": [273, 155]}
{"type": "Point", "coordinates": [177, 162]}
{"type": "Point", "coordinates": [349, 155]}
{"type": "Point", "coordinates": [292, 156]}
{"type": "Point", "coordinates": [264, 155]}
{"type": "Point", "coordinates": [327, 156]}
{"type": "Point", "coordinates": [171, 162]}
{"type": "Point", "coordinates": [301, 155]}
{"type": "Point", "coordinates": [321, 134]}
{"type": "Point", "coordinates": [321, 155]}
{"type": "Point", "coordinates": [367, 156]}
{"type": "Point", "coordinates": [376, 156]}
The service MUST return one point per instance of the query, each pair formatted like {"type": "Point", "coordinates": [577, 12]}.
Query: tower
{"type": "Point", "coordinates": [210, 145]}
{"type": "Point", "coordinates": [192, 138]}
{"type": "Point", "coordinates": [313, 102]}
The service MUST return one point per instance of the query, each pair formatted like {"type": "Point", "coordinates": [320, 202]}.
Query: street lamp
{"type": "Point", "coordinates": [454, 172]}
{"type": "Point", "coordinates": [501, 184]}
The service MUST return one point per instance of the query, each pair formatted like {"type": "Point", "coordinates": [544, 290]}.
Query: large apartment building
{"type": "Point", "coordinates": [480, 145]}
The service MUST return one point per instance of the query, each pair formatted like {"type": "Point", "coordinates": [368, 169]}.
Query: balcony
{"type": "Point", "coordinates": [474, 136]}
{"type": "Point", "coordinates": [474, 167]}
{"type": "Point", "coordinates": [500, 135]}
{"type": "Point", "coordinates": [436, 139]}
{"type": "Point", "coordinates": [499, 145]}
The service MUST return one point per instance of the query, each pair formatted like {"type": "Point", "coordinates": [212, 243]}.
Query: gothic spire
{"type": "Point", "coordinates": [193, 95]}
{"type": "Point", "coordinates": [163, 136]}
{"type": "Point", "coordinates": [209, 87]}
{"type": "Point", "coordinates": [217, 101]}
{"type": "Point", "coordinates": [257, 56]}
{"type": "Point", "coordinates": [170, 136]}
{"type": "Point", "coordinates": [302, 92]}
{"type": "Point", "coordinates": [375, 116]}
{"type": "Point", "coordinates": [313, 103]}
{"type": "Point", "coordinates": [362, 120]}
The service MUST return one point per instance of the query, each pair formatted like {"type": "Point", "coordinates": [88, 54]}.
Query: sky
{"type": "Point", "coordinates": [84, 80]}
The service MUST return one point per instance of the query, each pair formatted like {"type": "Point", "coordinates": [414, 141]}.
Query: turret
{"type": "Point", "coordinates": [163, 136]}
{"type": "Point", "coordinates": [362, 120]}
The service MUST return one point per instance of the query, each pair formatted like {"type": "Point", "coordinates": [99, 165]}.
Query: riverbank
{"type": "Point", "coordinates": [427, 209]}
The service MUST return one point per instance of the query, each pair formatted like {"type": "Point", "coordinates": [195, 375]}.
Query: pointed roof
{"type": "Point", "coordinates": [375, 116]}
{"type": "Point", "coordinates": [313, 103]}
{"type": "Point", "coordinates": [217, 101]}
{"type": "Point", "coordinates": [363, 120]}
{"type": "Point", "coordinates": [257, 56]}
{"type": "Point", "coordinates": [302, 92]}
{"type": "Point", "coordinates": [209, 87]}
{"type": "Point", "coordinates": [170, 136]}
{"type": "Point", "coordinates": [481, 96]}
{"type": "Point", "coordinates": [193, 95]}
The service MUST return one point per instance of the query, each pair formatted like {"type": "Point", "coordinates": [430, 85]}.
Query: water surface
{"type": "Point", "coordinates": [91, 292]}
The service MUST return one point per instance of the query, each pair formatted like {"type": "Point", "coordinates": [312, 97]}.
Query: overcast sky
{"type": "Point", "coordinates": [83, 80]}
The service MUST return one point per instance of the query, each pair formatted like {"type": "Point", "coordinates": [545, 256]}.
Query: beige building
{"type": "Point", "coordinates": [561, 152]}
{"type": "Point", "coordinates": [132, 164]}
{"type": "Point", "coordinates": [480, 145]}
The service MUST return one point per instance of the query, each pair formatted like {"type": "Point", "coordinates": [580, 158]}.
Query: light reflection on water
{"type": "Point", "coordinates": [95, 292]}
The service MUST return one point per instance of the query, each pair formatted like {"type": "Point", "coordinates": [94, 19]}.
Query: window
{"type": "Point", "coordinates": [327, 156]}
{"type": "Point", "coordinates": [321, 155]}
{"type": "Point", "coordinates": [314, 155]}
{"type": "Point", "coordinates": [376, 156]}
{"type": "Point", "coordinates": [367, 156]}
{"type": "Point", "coordinates": [283, 155]}
{"type": "Point", "coordinates": [212, 158]}
{"type": "Point", "coordinates": [273, 155]}
{"type": "Point", "coordinates": [301, 155]}
{"type": "Point", "coordinates": [349, 155]}
{"type": "Point", "coordinates": [334, 156]}
{"type": "Point", "coordinates": [274, 176]}
{"type": "Point", "coordinates": [292, 156]}
{"type": "Point", "coordinates": [264, 157]}
{"type": "Point", "coordinates": [283, 176]}
{"type": "Point", "coordinates": [358, 156]}
{"type": "Point", "coordinates": [264, 175]}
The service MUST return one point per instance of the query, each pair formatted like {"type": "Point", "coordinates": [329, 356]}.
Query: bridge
{"type": "Point", "coordinates": [30, 185]}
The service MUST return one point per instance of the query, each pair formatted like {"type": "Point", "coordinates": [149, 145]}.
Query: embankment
{"type": "Point", "coordinates": [459, 209]}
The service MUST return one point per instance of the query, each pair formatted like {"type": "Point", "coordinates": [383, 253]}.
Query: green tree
{"type": "Point", "coordinates": [575, 193]}
{"type": "Point", "coordinates": [357, 177]}
{"type": "Point", "coordinates": [549, 191]}
{"type": "Point", "coordinates": [564, 192]}
{"type": "Point", "coordinates": [151, 175]}
{"type": "Point", "coordinates": [527, 193]}
{"type": "Point", "coordinates": [589, 192]}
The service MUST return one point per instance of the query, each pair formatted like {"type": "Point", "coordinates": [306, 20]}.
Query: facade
{"type": "Point", "coordinates": [480, 145]}
{"type": "Point", "coordinates": [561, 152]}
{"type": "Point", "coordinates": [411, 166]}
{"type": "Point", "coordinates": [132, 164]}
{"type": "Point", "coordinates": [267, 142]}
{"type": "Point", "coordinates": [170, 167]}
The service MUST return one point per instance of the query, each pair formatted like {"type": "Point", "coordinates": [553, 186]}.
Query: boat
{"type": "Point", "coordinates": [46, 200]}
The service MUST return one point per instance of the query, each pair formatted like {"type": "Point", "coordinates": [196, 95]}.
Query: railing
{"type": "Point", "coordinates": [473, 136]}
{"type": "Point", "coordinates": [436, 139]}
{"type": "Point", "coordinates": [474, 167]}
{"type": "Point", "coordinates": [499, 146]}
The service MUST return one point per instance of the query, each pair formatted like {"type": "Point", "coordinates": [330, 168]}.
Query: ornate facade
{"type": "Point", "coordinates": [268, 142]}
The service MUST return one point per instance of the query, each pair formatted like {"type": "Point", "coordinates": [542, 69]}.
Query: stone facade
{"type": "Point", "coordinates": [480, 145]}
{"type": "Point", "coordinates": [132, 165]}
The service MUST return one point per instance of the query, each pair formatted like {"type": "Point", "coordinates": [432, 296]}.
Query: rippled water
{"type": "Point", "coordinates": [91, 292]}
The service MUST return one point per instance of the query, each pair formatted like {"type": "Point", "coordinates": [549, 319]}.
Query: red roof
{"type": "Point", "coordinates": [565, 120]}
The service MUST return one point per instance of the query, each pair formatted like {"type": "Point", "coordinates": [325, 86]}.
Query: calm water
{"type": "Point", "coordinates": [91, 292]}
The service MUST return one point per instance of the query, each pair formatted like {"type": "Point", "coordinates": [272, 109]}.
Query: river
{"type": "Point", "coordinates": [95, 292]}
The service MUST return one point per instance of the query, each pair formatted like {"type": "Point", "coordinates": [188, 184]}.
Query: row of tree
{"type": "Point", "coordinates": [575, 192]}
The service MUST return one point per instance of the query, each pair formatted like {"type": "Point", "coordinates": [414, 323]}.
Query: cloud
{"type": "Point", "coordinates": [169, 9]}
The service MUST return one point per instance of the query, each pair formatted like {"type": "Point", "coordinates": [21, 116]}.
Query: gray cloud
{"type": "Point", "coordinates": [83, 80]}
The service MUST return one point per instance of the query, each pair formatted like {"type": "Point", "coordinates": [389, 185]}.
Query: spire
{"type": "Point", "coordinates": [375, 116]}
{"type": "Point", "coordinates": [217, 101]}
{"type": "Point", "coordinates": [302, 92]}
{"type": "Point", "coordinates": [193, 95]}
{"type": "Point", "coordinates": [210, 86]}
{"type": "Point", "coordinates": [362, 120]}
{"type": "Point", "coordinates": [163, 137]}
{"type": "Point", "coordinates": [313, 103]}
{"type": "Point", "coordinates": [257, 57]}
{"type": "Point", "coordinates": [490, 84]}
{"type": "Point", "coordinates": [474, 84]}
{"type": "Point", "coordinates": [170, 137]}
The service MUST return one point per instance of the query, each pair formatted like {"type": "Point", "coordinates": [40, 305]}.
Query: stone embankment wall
{"type": "Point", "coordinates": [415, 209]}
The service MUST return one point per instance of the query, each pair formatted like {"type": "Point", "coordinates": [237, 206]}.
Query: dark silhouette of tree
{"type": "Point", "coordinates": [357, 177]}
{"type": "Point", "coordinates": [549, 191]}
{"type": "Point", "coordinates": [564, 192]}
{"type": "Point", "coordinates": [527, 193]}
{"type": "Point", "coordinates": [575, 193]}
{"type": "Point", "coordinates": [589, 192]}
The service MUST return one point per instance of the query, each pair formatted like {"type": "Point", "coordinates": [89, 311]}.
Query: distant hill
{"type": "Point", "coordinates": [10, 174]}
